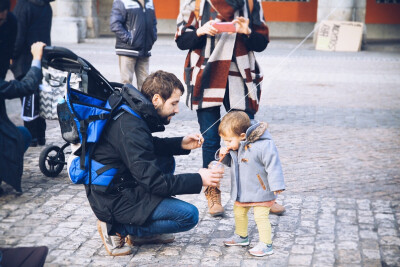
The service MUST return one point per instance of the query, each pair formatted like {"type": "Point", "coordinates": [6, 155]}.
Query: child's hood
{"type": "Point", "coordinates": [257, 131]}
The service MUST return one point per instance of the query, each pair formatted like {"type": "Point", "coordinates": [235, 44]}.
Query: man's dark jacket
{"type": "Point", "coordinates": [135, 27]}
{"type": "Point", "coordinates": [34, 25]}
{"type": "Point", "coordinates": [11, 140]}
{"type": "Point", "coordinates": [8, 33]}
{"type": "Point", "coordinates": [128, 141]}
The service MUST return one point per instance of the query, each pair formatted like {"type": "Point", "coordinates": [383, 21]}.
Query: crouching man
{"type": "Point", "coordinates": [139, 207]}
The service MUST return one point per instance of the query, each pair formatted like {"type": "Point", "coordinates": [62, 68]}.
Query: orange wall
{"type": "Point", "coordinates": [382, 13]}
{"type": "Point", "coordinates": [166, 9]}
{"type": "Point", "coordinates": [13, 2]}
{"type": "Point", "coordinates": [273, 11]}
{"type": "Point", "coordinates": [291, 11]}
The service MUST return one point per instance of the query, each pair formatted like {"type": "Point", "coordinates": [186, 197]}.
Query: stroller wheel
{"type": "Point", "coordinates": [51, 161]}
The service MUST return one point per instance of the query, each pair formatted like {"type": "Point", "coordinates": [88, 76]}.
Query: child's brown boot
{"type": "Point", "coordinates": [213, 195]}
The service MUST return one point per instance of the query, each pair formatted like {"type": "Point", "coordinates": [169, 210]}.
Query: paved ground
{"type": "Point", "coordinates": [335, 118]}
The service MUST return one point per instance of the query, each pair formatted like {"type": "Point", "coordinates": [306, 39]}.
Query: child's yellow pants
{"type": "Point", "coordinates": [261, 218]}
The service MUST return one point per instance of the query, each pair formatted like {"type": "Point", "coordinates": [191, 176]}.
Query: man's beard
{"type": "Point", "coordinates": [165, 119]}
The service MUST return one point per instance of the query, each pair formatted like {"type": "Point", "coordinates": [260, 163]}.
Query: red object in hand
{"type": "Point", "coordinates": [224, 26]}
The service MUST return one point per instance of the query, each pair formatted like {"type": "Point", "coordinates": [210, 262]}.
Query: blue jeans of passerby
{"type": "Point", "coordinates": [170, 216]}
{"type": "Point", "coordinates": [206, 117]}
{"type": "Point", "coordinates": [26, 136]}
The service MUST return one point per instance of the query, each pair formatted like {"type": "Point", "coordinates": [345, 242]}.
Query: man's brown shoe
{"type": "Point", "coordinates": [114, 244]}
{"type": "Point", "coordinates": [213, 195]}
{"type": "Point", "coordinates": [277, 209]}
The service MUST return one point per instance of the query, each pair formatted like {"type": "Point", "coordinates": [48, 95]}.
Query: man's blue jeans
{"type": "Point", "coordinates": [170, 216]}
{"type": "Point", "coordinates": [206, 117]}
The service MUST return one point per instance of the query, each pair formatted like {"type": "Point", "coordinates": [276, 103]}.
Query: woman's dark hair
{"type": "Point", "coordinates": [162, 83]}
{"type": "Point", "coordinates": [4, 5]}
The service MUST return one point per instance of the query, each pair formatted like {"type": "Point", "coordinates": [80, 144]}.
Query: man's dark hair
{"type": "Point", "coordinates": [162, 83]}
{"type": "Point", "coordinates": [4, 5]}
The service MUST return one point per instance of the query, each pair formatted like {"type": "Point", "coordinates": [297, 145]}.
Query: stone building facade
{"type": "Point", "coordinates": [75, 20]}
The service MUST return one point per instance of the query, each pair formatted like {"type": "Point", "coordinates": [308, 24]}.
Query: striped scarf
{"type": "Point", "coordinates": [224, 62]}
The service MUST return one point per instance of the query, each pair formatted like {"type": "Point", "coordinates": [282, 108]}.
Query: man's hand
{"type": "Point", "coordinates": [242, 25]}
{"type": "Point", "coordinates": [211, 177]}
{"type": "Point", "coordinates": [37, 50]}
{"type": "Point", "coordinates": [207, 29]}
{"type": "Point", "coordinates": [278, 192]}
{"type": "Point", "coordinates": [192, 141]}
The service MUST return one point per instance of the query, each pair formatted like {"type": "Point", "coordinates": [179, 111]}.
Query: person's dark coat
{"type": "Point", "coordinates": [11, 140]}
{"type": "Point", "coordinates": [8, 33]}
{"type": "Point", "coordinates": [34, 25]}
{"type": "Point", "coordinates": [128, 141]}
{"type": "Point", "coordinates": [135, 27]}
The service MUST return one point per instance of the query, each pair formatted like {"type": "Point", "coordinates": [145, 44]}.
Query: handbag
{"type": "Point", "coordinates": [30, 110]}
{"type": "Point", "coordinates": [53, 88]}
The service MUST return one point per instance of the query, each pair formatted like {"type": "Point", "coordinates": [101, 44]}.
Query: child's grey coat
{"type": "Point", "coordinates": [256, 170]}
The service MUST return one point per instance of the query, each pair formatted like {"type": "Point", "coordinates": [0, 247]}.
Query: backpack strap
{"type": "Point", "coordinates": [97, 117]}
{"type": "Point", "coordinates": [83, 125]}
{"type": "Point", "coordinates": [197, 9]}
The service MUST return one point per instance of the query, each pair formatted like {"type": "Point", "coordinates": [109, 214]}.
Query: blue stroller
{"type": "Point", "coordinates": [83, 81]}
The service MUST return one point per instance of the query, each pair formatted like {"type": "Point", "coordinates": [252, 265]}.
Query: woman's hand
{"type": "Point", "coordinates": [242, 25]}
{"type": "Point", "coordinates": [207, 29]}
{"type": "Point", "coordinates": [37, 50]}
{"type": "Point", "coordinates": [192, 141]}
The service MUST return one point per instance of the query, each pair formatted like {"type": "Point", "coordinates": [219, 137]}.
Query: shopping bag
{"type": "Point", "coordinates": [30, 110]}
{"type": "Point", "coordinates": [51, 90]}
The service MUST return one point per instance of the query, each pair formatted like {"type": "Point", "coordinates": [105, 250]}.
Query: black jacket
{"type": "Point", "coordinates": [8, 33]}
{"type": "Point", "coordinates": [135, 27]}
{"type": "Point", "coordinates": [11, 141]}
{"type": "Point", "coordinates": [34, 24]}
{"type": "Point", "coordinates": [127, 141]}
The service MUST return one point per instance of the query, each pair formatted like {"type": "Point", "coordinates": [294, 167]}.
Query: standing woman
{"type": "Point", "coordinates": [220, 68]}
{"type": "Point", "coordinates": [34, 24]}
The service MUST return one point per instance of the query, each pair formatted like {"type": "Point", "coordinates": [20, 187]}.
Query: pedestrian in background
{"type": "Point", "coordinates": [8, 33]}
{"type": "Point", "coordinates": [14, 141]}
{"type": "Point", "coordinates": [134, 24]}
{"type": "Point", "coordinates": [220, 68]}
{"type": "Point", "coordinates": [34, 25]}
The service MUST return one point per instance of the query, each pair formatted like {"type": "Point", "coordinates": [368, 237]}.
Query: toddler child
{"type": "Point", "coordinates": [256, 175]}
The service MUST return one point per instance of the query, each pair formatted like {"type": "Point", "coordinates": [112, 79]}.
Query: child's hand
{"type": "Point", "coordinates": [223, 151]}
{"type": "Point", "coordinates": [278, 192]}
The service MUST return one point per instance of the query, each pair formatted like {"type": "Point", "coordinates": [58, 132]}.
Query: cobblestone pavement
{"type": "Point", "coordinates": [335, 118]}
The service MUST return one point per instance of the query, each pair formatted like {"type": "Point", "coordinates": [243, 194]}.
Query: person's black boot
{"type": "Point", "coordinates": [34, 142]}
{"type": "Point", "coordinates": [41, 141]}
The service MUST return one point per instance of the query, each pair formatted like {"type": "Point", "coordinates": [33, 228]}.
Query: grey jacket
{"type": "Point", "coordinates": [256, 170]}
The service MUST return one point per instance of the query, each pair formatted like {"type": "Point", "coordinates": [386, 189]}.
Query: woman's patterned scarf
{"type": "Point", "coordinates": [224, 62]}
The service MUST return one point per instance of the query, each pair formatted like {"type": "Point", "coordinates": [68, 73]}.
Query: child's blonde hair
{"type": "Point", "coordinates": [235, 122]}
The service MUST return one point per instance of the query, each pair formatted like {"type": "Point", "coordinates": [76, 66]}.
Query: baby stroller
{"type": "Point", "coordinates": [66, 74]}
